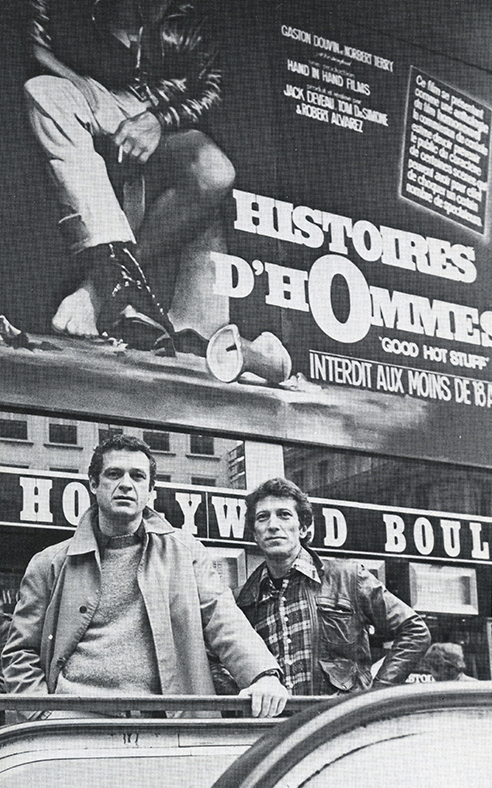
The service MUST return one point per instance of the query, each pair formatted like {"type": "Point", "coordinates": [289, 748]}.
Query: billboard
{"type": "Point", "coordinates": [53, 502]}
{"type": "Point", "coordinates": [348, 287]}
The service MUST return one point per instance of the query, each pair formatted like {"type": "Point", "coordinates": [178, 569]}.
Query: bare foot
{"type": "Point", "coordinates": [77, 314]}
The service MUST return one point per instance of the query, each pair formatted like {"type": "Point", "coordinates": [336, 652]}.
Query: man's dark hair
{"type": "Point", "coordinates": [120, 443]}
{"type": "Point", "coordinates": [279, 488]}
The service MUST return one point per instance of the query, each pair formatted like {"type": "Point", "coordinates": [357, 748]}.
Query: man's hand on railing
{"type": "Point", "coordinates": [110, 706]}
{"type": "Point", "coordinates": [268, 696]}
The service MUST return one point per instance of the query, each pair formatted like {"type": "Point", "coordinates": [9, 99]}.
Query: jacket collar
{"type": "Point", "coordinates": [251, 590]}
{"type": "Point", "coordinates": [84, 539]}
{"type": "Point", "coordinates": [316, 559]}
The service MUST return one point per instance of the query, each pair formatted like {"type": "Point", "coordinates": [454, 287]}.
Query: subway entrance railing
{"type": "Point", "coordinates": [409, 735]}
{"type": "Point", "coordinates": [128, 741]}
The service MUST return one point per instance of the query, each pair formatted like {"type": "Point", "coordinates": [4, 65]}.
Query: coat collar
{"type": "Point", "coordinates": [84, 540]}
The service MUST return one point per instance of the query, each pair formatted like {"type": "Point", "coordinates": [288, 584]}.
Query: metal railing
{"type": "Point", "coordinates": [145, 705]}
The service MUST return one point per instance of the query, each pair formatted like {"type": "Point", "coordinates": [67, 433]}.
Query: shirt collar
{"type": "Point", "coordinates": [303, 563]}
{"type": "Point", "coordinates": [306, 566]}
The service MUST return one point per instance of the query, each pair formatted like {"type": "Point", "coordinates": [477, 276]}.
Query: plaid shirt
{"type": "Point", "coordinates": [284, 622]}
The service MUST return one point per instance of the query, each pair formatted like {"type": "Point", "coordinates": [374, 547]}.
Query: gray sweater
{"type": "Point", "coordinates": [116, 655]}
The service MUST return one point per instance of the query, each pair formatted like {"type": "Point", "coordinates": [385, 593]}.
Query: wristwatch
{"type": "Point", "coordinates": [272, 672]}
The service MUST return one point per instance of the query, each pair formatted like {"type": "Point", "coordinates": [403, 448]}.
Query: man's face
{"type": "Point", "coordinates": [123, 488]}
{"type": "Point", "coordinates": [278, 532]}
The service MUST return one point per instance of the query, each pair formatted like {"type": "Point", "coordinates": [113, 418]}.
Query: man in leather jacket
{"type": "Point", "coordinates": [314, 615]}
{"type": "Point", "coordinates": [131, 79]}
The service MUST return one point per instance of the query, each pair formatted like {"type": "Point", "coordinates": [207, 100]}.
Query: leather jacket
{"type": "Point", "coordinates": [173, 66]}
{"type": "Point", "coordinates": [348, 600]}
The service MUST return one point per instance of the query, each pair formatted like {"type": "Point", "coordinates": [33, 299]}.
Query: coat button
{"type": "Point", "coordinates": [82, 609]}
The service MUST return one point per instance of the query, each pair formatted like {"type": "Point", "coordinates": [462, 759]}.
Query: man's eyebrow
{"type": "Point", "coordinates": [119, 468]}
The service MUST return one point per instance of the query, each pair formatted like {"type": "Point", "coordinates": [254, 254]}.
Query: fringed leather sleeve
{"type": "Point", "coordinates": [38, 23]}
{"type": "Point", "coordinates": [192, 82]}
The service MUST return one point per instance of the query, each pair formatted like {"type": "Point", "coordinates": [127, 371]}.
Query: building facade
{"type": "Point", "coordinates": [345, 305]}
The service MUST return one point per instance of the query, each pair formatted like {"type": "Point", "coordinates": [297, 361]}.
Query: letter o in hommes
{"type": "Point", "coordinates": [358, 321]}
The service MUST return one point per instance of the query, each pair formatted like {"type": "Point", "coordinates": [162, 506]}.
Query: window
{"type": "Point", "coordinates": [63, 470]}
{"type": "Point", "coordinates": [108, 432]}
{"type": "Point", "coordinates": [201, 444]}
{"type": "Point", "coordinates": [237, 470]}
{"type": "Point", "coordinates": [63, 433]}
{"type": "Point", "coordinates": [9, 589]}
{"type": "Point", "coordinates": [443, 589]}
{"type": "Point", "coordinates": [389, 481]}
{"type": "Point", "coordinates": [15, 429]}
{"type": "Point", "coordinates": [206, 481]}
{"type": "Point", "coordinates": [157, 441]}
{"type": "Point", "coordinates": [298, 477]}
{"type": "Point", "coordinates": [230, 563]}
{"type": "Point", "coordinates": [163, 477]}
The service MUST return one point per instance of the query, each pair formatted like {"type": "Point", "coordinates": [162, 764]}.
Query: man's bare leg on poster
{"type": "Point", "coordinates": [181, 229]}
{"type": "Point", "coordinates": [197, 310]}
{"type": "Point", "coordinates": [115, 278]}
{"type": "Point", "coordinates": [202, 176]}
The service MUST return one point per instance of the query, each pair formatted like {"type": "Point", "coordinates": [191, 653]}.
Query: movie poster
{"type": "Point", "coordinates": [340, 292]}
{"type": "Point", "coordinates": [296, 258]}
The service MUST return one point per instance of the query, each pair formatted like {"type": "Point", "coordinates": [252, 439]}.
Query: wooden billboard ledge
{"type": "Point", "coordinates": [81, 378]}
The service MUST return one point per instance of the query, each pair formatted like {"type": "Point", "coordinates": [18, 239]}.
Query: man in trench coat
{"type": "Point", "coordinates": [130, 605]}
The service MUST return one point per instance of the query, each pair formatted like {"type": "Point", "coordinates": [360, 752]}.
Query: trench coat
{"type": "Point", "coordinates": [188, 608]}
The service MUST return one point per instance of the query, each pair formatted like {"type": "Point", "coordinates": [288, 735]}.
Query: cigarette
{"type": "Point", "coordinates": [120, 155]}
